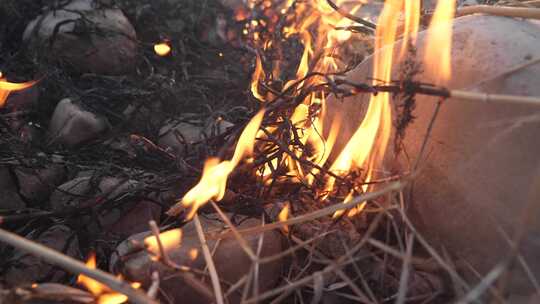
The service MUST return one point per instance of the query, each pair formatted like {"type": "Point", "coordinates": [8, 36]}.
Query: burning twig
{"type": "Point", "coordinates": [345, 14]}
{"type": "Point", "coordinates": [75, 267]}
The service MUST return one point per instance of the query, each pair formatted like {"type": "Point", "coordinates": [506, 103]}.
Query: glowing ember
{"type": "Point", "coordinates": [284, 215]}
{"type": "Point", "coordinates": [7, 87]}
{"type": "Point", "coordinates": [193, 254]}
{"type": "Point", "coordinates": [162, 49]}
{"type": "Point", "coordinates": [169, 239]}
{"type": "Point", "coordinates": [103, 294]}
{"type": "Point", "coordinates": [215, 173]}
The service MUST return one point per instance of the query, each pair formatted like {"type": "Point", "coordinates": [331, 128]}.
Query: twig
{"type": "Point", "coordinates": [494, 98]}
{"type": "Point", "coordinates": [404, 278]}
{"type": "Point", "coordinates": [322, 212]}
{"type": "Point", "coordinates": [209, 261]}
{"type": "Point", "coordinates": [74, 266]}
{"type": "Point", "coordinates": [505, 11]}
{"type": "Point", "coordinates": [351, 17]}
{"type": "Point", "coordinates": [154, 287]}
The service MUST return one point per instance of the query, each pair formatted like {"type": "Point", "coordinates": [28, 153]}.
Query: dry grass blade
{"type": "Point", "coordinates": [209, 261]}
{"type": "Point", "coordinates": [405, 272]}
{"type": "Point", "coordinates": [505, 11]}
{"type": "Point", "coordinates": [476, 293]}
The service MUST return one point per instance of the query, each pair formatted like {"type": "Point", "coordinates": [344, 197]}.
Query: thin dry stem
{"type": "Point", "coordinates": [209, 261]}
{"type": "Point", "coordinates": [75, 266]}
{"type": "Point", "coordinates": [505, 11]}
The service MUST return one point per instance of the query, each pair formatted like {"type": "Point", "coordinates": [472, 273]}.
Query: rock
{"type": "Point", "coordinates": [482, 160]}
{"type": "Point", "coordinates": [181, 137]}
{"type": "Point", "coordinates": [9, 192]}
{"type": "Point", "coordinates": [27, 269]}
{"type": "Point", "coordinates": [133, 220]}
{"type": "Point", "coordinates": [36, 185]}
{"type": "Point", "coordinates": [71, 193]}
{"type": "Point", "coordinates": [230, 260]}
{"type": "Point", "coordinates": [72, 125]}
{"type": "Point", "coordinates": [92, 40]}
{"type": "Point", "coordinates": [124, 219]}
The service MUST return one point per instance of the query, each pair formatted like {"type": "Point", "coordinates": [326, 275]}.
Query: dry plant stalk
{"type": "Point", "coordinates": [75, 266]}
{"type": "Point", "coordinates": [504, 11]}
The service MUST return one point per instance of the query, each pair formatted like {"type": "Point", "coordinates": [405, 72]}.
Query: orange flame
{"type": "Point", "coordinates": [103, 293]}
{"type": "Point", "coordinates": [7, 87]}
{"type": "Point", "coordinates": [258, 75]}
{"type": "Point", "coordinates": [284, 215]}
{"type": "Point", "coordinates": [169, 239]}
{"type": "Point", "coordinates": [412, 23]}
{"type": "Point", "coordinates": [162, 49]}
{"type": "Point", "coordinates": [213, 182]}
{"type": "Point", "coordinates": [439, 41]}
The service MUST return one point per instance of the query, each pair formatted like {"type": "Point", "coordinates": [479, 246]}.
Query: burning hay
{"type": "Point", "coordinates": [268, 151]}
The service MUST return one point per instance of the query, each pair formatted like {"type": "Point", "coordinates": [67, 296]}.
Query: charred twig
{"type": "Point", "coordinates": [74, 266]}
{"type": "Point", "coordinates": [351, 17]}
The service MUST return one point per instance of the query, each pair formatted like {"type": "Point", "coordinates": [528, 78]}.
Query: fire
{"type": "Point", "coordinates": [284, 215]}
{"type": "Point", "coordinates": [169, 239]}
{"type": "Point", "coordinates": [321, 30]}
{"type": "Point", "coordinates": [439, 41]}
{"type": "Point", "coordinates": [368, 144]}
{"type": "Point", "coordinates": [162, 49]}
{"type": "Point", "coordinates": [103, 294]}
{"type": "Point", "coordinates": [258, 75]}
{"type": "Point", "coordinates": [7, 87]}
{"type": "Point", "coordinates": [412, 23]}
{"type": "Point", "coordinates": [215, 173]}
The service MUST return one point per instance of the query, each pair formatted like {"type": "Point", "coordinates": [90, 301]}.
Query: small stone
{"type": "Point", "coordinates": [9, 192]}
{"type": "Point", "coordinates": [71, 124]}
{"type": "Point", "coordinates": [36, 185]}
{"type": "Point", "coordinates": [27, 269]}
{"type": "Point", "coordinates": [100, 41]}
{"type": "Point", "coordinates": [134, 220]}
{"type": "Point", "coordinates": [127, 218]}
{"type": "Point", "coordinates": [181, 137]}
{"type": "Point", "coordinates": [231, 261]}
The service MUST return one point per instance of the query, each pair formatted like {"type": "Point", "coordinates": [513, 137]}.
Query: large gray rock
{"type": "Point", "coordinates": [100, 41]}
{"type": "Point", "coordinates": [231, 261]}
{"type": "Point", "coordinates": [482, 158]}
{"type": "Point", "coordinates": [27, 269]}
{"type": "Point", "coordinates": [71, 124]}
{"type": "Point", "coordinates": [9, 191]}
{"type": "Point", "coordinates": [36, 185]}
{"type": "Point", "coordinates": [122, 220]}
